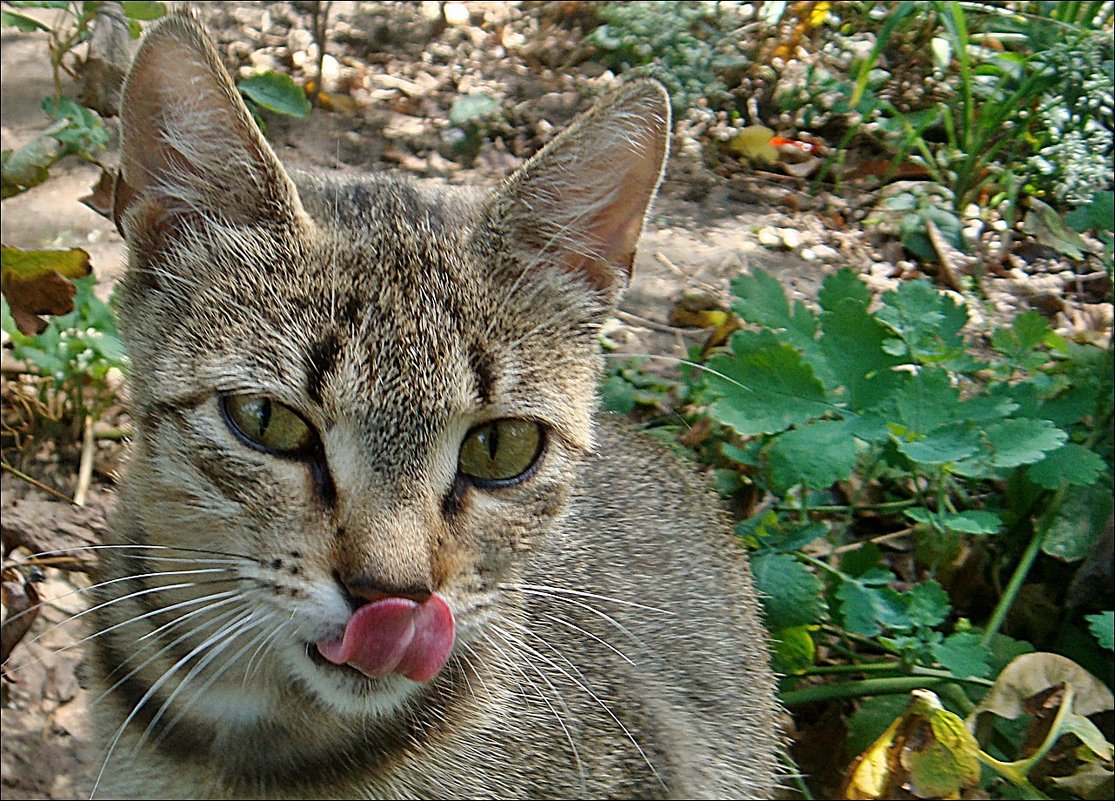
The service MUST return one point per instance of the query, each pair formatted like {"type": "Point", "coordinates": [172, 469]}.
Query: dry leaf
{"type": "Point", "coordinates": [102, 72]}
{"type": "Point", "coordinates": [35, 282]}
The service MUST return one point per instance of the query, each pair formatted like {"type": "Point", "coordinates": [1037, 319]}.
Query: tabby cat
{"type": "Point", "coordinates": [375, 539]}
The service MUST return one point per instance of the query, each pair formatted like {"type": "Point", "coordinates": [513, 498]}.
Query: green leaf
{"type": "Point", "coordinates": [1045, 224]}
{"type": "Point", "coordinates": [470, 109]}
{"type": "Point", "coordinates": [975, 521]}
{"type": "Point", "coordinates": [1097, 215]}
{"type": "Point", "coordinates": [764, 386]}
{"type": "Point", "coordinates": [963, 655]}
{"type": "Point", "coordinates": [818, 454]}
{"type": "Point", "coordinates": [853, 344]}
{"type": "Point", "coordinates": [29, 166]}
{"type": "Point", "coordinates": [938, 447]}
{"type": "Point", "coordinates": [138, 9]}
{"type": "Point", "coordinates": [618, 395]}
{"type": "Point", "coordinates": [1071, 463]}
{"type": "Point", "coordinates": [277, 93]}
{"type": "Point", "coordinates": [928, 604]}
{"type": "Point", "coordinates": [1102, 626]}
{"type": "Point", "coordinates": [1022, 441]}
{"type": "Point", "coordinates": [868, 610]}
{"type": "Point", "coordinates": [792, 595]}
{"type": "Point", "coordinates": [928, 322]}
{"type": "Point", "coordinates": [1079, 522]}
{"type": "Point", "coordinates": [22, 22]}
{"type": "Point", "coordinates": [871, 719]}
{"type": "Point", "coordinates": [792, 650]}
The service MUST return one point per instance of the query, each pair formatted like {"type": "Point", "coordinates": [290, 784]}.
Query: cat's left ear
{"type": "Point", "coordinates": [190, 148]}
{"type": "Point", "coordinates": [581, 202]}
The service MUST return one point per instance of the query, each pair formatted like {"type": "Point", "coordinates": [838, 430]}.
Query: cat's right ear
{"type": "Point", "coordinates": [190, 149]}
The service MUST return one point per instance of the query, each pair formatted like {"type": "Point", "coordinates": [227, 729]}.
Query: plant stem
{"type": "Point", "coordinates": [1023, 568]}
{"type": "Point", "coordinates": [895, 685]}
{"type": "Point", "coordinates": [34, 483]}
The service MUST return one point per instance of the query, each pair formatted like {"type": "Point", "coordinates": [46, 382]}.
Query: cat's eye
{"type": "Point", "coordinates": [500, 452]}
{"type": "Point", "coordinates": [267, 425]}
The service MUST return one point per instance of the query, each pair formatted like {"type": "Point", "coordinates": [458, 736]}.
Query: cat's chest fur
{"type": "Point", "coordinates": [375, 539]}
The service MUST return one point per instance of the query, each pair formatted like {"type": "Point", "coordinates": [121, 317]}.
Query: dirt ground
{"type": "Point", "coordinates": [703, 231]}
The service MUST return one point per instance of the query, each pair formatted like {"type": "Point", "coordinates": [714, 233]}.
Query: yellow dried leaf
{"type": "Point", "coordinates": [753, 143]}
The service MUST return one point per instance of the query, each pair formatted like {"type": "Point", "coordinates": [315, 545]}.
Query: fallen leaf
{"type": "Point", "coordinates": [100, 199]}
{"type": "Point", "coordinates": [927, 753]}
{"type": "Point", "coordinates": [753, 143]}
{"type": "Point", "coordinates": [35, 282]}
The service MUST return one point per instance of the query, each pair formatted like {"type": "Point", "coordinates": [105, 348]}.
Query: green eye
{"type": "Point", "coordinates": [500, 451]}
{"type": "Point", "coordinates": [267, 425]}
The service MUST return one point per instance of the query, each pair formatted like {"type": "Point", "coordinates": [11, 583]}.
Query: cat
{"type": "Point", "coordinates": [375, 538]}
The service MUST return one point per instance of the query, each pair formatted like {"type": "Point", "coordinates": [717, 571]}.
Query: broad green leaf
{"type": "Point", "coordinates": [928, 604]}
{"type": "Point", "coordinates": [963, 655]}
{"type": "Point", "coordinates": [618, 395]}
{"type": "Point", "coordinates": [975, 521]}
{"type": "Point", "coordinates": [470, 109]}
{"type": "Point", "coordinates": [277, 93]}
{"type": "Point", "coordinates": [763, 386]}
{"type": "Point", "coordinates": [868, 610]}
{"type": "Point", "coordinates": [948, 444]}
{"type": "Point", "coordinates": [29, 165]}
{"type": "Point", "coordinates": [843, 287]}
{"type": "Point", "coordinates": [22, 22]}
{"type": "Point", "coordinates": [1079, 522]}
{"type": "Point", "coordinates": [792, 650]}
{"type": "Point", "coordinates": [1022, 441]}
{"type": "Point", "coordinates": [1070, 463]}
{"type": "Point", "coordinates": [1096, 215]}
{"type": "Point", "coordinates": [818, 454]}
{"type": "Point", "coordinates": [760, 300]}
{"type": "Point", "coordinates": [1102, 626]}
{"type": "Point", "coordinates": [792, 595]}
{"type": "Point", "coordinates": [852, 342]}
{"type": "Point", "coordinates": [928, 322]}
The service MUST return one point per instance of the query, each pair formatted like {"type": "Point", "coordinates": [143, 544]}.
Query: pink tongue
{"type": "Point", "coordinates": [395, 635]}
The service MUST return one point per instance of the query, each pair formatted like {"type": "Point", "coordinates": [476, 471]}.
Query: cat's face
{"type": "Point", "coordinates": [363, 401]}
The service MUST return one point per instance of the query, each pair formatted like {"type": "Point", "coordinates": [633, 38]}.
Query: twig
{"type": "Point", "coordinates": [85, 469]}
{"type": "Point", "coordinates": [7, 468]}
{"type": "Point", "coordinates": [669, 265]}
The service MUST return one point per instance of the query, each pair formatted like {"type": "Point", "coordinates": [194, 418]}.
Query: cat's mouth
{"type": "Point", "coordinates": [392, 636]}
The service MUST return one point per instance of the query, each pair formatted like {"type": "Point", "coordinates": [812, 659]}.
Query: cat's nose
{"type": "Point", "coordinates": [362, 589]}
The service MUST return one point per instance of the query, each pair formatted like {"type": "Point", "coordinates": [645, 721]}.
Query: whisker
{"type": "Point", "coordinates": [582, 594]}
{"type": "Point", "coordinates": [166, 629]}
{"type": "Point", "coordinates": [167, 674]}
{"type": "Point", "coordinates": [111, 601]}
{"type": "Point", "coordinates": [588, 690]}
{"type": "Point", "coordinates": [600, 640]}
{"type": "Point", "coordinates": [545, 700]}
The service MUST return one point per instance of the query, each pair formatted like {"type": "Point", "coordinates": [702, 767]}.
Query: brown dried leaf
{"type": "Point", "coordinates": [20, 602]}
{"type": "Point", "coordinates": [100, 199]}
{"type": "Point", "coordinates": [35, 282]}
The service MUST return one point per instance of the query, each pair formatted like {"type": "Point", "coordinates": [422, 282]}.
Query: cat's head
{"type": "Point", "coordinates": [373, 394]}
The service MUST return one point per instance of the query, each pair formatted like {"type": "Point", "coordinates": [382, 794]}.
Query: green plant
{"type": "Point", "coordinates": [72, 27]}
{"type": "Point", "coordinates": [687, 45]}
{"type": "Point", "coordinates": [76, 354]}
{"type": "Point", "coordinates": [868, 424]}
